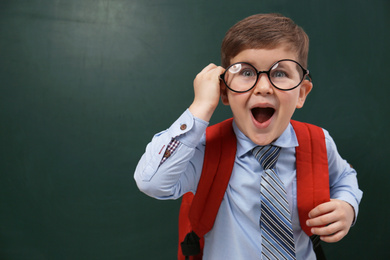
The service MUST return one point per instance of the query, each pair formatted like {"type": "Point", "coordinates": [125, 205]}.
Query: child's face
{"type": "Point", "coordinates": [274, 107]}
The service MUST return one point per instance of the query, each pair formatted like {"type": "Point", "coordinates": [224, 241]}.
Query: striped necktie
{"type": "Point", "coordinates": [275, 221]}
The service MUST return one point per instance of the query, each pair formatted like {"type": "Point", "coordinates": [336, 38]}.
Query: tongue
{"type": "Point", "coordinates": [262, 114]}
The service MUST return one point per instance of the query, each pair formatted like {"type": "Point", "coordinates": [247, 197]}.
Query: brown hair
{"type": "Point", "coordinates": [264, 31]}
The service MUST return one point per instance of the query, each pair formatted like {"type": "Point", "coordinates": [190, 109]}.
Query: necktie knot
{"type": "Point", "coordinates": [267, 155]}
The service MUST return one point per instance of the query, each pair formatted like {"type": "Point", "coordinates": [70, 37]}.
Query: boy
{"type": "Point", "coordinates": [265, 79]}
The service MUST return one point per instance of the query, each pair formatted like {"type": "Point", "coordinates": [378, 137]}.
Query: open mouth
{"type": "Point", "coordinates": [261, 114]}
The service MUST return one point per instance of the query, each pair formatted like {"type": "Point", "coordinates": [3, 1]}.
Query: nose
{"type": "Point", "coordinates": [263, 85]}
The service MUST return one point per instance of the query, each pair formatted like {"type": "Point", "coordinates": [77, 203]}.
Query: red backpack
{"type": "Point", "coordinates": [198, 213]}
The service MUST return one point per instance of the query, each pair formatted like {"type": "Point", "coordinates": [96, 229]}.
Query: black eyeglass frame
{"type": "Point", "coordinates": [306, 73]}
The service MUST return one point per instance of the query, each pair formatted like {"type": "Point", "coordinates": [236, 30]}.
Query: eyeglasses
{"type": "Point", "coordinates": [285, 75]}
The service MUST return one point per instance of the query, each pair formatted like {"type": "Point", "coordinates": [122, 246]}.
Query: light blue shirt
{"type": "Point", "coordinates": [236, 232]}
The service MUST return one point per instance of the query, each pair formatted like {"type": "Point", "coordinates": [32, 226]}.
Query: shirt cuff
{"type": "Point", "coordinates": [188, 129]}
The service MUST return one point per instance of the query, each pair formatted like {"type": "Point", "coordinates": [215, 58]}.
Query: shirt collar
{"type": "Point", "coordinates": [244, 144]}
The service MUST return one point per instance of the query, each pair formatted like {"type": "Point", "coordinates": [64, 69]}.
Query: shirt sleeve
{"type": "Point", "coordinates": [173, 160]}
{"type": "Point", "coordinates": [342, 177]}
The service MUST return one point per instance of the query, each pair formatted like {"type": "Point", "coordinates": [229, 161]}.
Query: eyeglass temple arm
{"type": "Point", "coordinates": [309, 75]}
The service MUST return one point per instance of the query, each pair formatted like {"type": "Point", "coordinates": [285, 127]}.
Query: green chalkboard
{"type": "Point", "coordinates": [85, 84]}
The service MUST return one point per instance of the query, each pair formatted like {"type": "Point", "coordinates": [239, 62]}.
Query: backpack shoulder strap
{"type": "Point", "coordinates": [218, 163]}
{"type": "Point", "coordinates": [197, 213]}
{"type": "Point", "coordinates": [312, 170]}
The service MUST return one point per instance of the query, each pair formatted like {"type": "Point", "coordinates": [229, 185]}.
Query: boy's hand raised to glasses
{"type": "Point", "coordinates": [207, 92]}
{"type": "Point", "coordinates": [331, 220]}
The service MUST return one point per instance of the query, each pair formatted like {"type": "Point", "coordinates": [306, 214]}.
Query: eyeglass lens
{"type": "Point", "coordinates": [284, 75]}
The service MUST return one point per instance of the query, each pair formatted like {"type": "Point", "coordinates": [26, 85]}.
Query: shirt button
{"type": "Point", "coordinates": [183, 127]}
{"type": "Point", "coordinates": [167, 154]}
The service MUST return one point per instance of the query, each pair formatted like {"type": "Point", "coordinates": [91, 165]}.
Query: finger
{"type": "Point", "coordinates": [328, 229]}
{"type": "Point", "coordinates": [219, 70]}
{"type": "Point", "coordinates": [210, 72]}
{"type": "Point", "coordinates": [208, 68]}
{"type": "Point", "coordinates": [215, 73]}
{"type": "Point", "coordinates": [321, 209]}
{"type": "Point", "coordinates": [334, 237]}
{"type": "Point", "coordinates": [322, 220]}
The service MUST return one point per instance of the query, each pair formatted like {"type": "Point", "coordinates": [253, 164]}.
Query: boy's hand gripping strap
{"type": "Point", "coordinates": [312, 170]}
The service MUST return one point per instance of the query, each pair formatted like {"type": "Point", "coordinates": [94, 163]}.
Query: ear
{"type": "Point", "coordinates": [224, 94]}
{"type": "Point", "coordinates": [305, 88]}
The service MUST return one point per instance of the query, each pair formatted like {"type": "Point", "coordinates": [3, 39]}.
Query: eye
{"type": "Point", "coordinates": [279, 74]}
{"type": "Point", "coordinates": [248, 73]}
